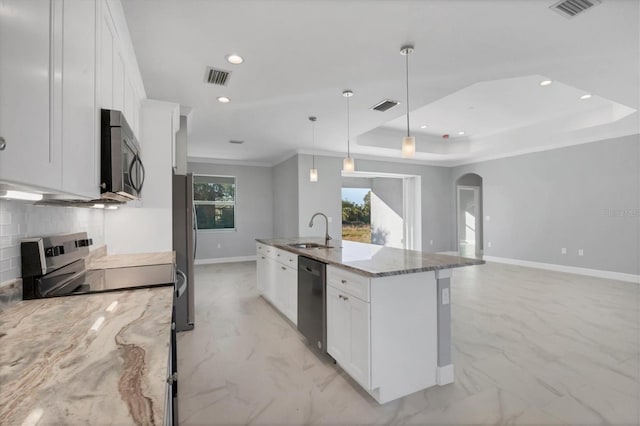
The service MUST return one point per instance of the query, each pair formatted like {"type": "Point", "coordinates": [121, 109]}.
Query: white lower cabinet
{"type": "Point", "coordinates": [349, 334]}
{"type": "Point", "coordinates": [277, 279]}
{"type": "Point", "coordinates": [382, 331]}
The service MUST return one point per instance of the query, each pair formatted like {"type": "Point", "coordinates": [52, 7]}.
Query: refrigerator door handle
{"type": "Point", "coordinates": [182, 287]}
{"type": "Point", "coordinates": [195, 228]}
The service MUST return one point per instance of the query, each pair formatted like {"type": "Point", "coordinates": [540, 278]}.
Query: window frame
{"type": "Point", "coordinates": [233, 203]}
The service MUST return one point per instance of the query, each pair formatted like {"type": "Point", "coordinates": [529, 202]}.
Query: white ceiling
{"type": "Point", "coordinates": [301, 54]}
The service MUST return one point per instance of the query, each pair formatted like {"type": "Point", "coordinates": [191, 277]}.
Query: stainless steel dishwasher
{"type": "Point", "coordinates": [312, 301]}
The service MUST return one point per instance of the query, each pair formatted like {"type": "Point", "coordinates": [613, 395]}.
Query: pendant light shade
{"type": "Point", "coordinates": [313, 172]}
{"type": "Point", "coordinates": [348, 165]}
{"type": "Point", "coordinates": [408, 146]}
{"type": "Point", "coordinates": [408, 142]}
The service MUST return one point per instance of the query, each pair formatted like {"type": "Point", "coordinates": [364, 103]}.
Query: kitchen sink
{"type": "Point", "coordinates": [307, 245]}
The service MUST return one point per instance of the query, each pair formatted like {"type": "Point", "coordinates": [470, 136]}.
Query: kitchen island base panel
{"type": "Point", "coordinates": [403, 335]}
{"type": "Point", "coordinates": [445, 375]}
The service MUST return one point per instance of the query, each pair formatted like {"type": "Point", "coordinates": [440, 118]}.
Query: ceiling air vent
{"type": "Point", "coordinates": [236, 142]}
{"type": "Point", "coordinates": [570, 8]}
{"type": "Point", "coordinates": [384, 105]}
{"type": "Point", "coordinates": [217, 76]}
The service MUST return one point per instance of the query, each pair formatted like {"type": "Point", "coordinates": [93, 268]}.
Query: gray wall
{"type": "Point", "coordinates": [324, 196]}
{"type": "Point", "coordinates": [254, 211]}
{"type": "Point", "coordinates": [285, 198]}
{"type": "Point", "coordinates": [579, 197]}
{"type": "Point", "coordinates": [387, 218]}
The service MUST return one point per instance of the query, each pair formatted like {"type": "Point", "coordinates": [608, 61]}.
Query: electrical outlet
{"type": "Point", "coordinates": [564, 250]}
{"type": "Point", "coordinates": [580, 252]}
{"type": "Point", "coordinates": [445, 296]}
{"type": "Point", "coordinates": [487, 218]}
{"type": "Point", "coordinates": [219, 245]}
{"type": "Point", "coordinates": [431, 242]}
{"type": "Point", "coordinates": [489, 244]}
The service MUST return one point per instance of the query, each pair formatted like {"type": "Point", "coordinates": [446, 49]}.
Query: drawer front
{"type": "Point", "coordinates": [270, 251]}
{"type": "Point", "coordinates": [354, 284]}
{"type": "Point", "coordinates": [287, 258]}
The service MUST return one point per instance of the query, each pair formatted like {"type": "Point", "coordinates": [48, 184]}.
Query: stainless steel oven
{"type": "Point", "coordinates": [121, 167]}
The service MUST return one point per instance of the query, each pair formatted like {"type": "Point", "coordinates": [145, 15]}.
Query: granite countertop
{"type": "Point", "coordinates": [372, 260]}
{"type": "Point", "coordinates": [96, 358]}
{"type": "Point", "coordinates": [103, 261]}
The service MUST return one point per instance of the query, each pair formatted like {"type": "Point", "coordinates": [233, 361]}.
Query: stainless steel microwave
{"type": "Point", "coordinates": [121, 168]}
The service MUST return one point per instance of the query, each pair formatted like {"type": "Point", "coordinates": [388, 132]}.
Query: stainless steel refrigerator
{"type": "Point", "coordinates": [185, 241]}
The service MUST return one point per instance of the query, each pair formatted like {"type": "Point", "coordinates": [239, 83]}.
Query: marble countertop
{"type": "Point", "coordinates": [373, 260]}
{"type": "Point", "coordinates": [132, 259]}
{"type": "Point", "coordinates": [103, 359]}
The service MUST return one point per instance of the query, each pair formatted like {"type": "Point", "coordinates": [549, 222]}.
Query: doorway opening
{"type": "Point", "coordinates": [356, 214]}
{"type": "Point", "coordinates": [390, 203]}
{"type": "Point", "coordinates": [469, 216]}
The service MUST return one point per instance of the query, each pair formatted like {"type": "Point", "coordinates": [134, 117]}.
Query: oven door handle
{"type": "Point", "coordinates": [180, 289]}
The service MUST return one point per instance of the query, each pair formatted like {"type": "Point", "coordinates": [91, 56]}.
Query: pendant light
{"type": "Point", "coordinates": [348, 164]}
{"type": "Point", "coordinates": [408, 142]}
{"type": "Point", "coordinates": [313, 172]}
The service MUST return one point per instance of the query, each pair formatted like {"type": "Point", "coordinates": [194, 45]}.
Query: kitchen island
{"type": "Point", "coordinates": [388, 318]}
{"type": "Point", "coordinates": [95, 358]}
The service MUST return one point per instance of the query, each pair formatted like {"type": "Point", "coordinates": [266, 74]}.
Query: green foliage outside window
{"type": "Point", "coordinates": [214, 198]}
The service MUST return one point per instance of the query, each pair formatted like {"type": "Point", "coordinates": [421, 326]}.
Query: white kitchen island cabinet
{"type": "Point", "coordinates": [387, 312]}
{"type": "Point", "coordinates": [277, 279]}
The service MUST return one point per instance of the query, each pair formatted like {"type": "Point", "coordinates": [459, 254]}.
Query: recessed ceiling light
{"type": "Point", "coordinates": [234, 59]}
{"type": "Point", "coordinates": [224, 99]}
{"type": "Point", "coordinates": [545, 82]}
{"type": "Point", "coordinates": [461, 133]}
{"type": "Point", "coordinates": [585, 96]}
{"type": "Point", "coordinates": [424, 126]}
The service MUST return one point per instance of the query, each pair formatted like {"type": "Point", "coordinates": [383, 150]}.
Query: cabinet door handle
{"type": "Point", "coordinates": [3, 143]}
{"type": "Point", "coordinates": [283, 268]}
{"type": "Point", "coordinates": [343, 281]}
{"type": "Point", "coordinates": [262, 257]}
{"type": "Point", "coordinates": [345, 298]}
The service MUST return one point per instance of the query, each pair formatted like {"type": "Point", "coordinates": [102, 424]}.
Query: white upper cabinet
{"type": "Point", "coordinates": [80, 130]}
{"type": "Point", "coordinates": [31, 155]}
{"type": "Point", "coordinates": [119, 74]}
{"type": "Point", "coordinates": [60, 63]}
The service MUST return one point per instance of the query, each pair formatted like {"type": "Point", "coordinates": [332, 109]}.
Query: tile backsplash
{"type": "Point", "coordinates": [22, 220]}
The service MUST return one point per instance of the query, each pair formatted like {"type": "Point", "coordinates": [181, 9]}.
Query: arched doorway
{"type": "Point", "coordinates": [469, 215]}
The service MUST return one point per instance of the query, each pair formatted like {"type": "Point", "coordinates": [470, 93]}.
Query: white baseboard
{"type": "Point", "coordinates": [224, 260]}
{"type": "Point", "coordinates": [444, 375]}
{"type": "Point", "coordinates": [620, 276]}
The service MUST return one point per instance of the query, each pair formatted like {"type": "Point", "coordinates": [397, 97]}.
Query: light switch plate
{"type": "Point", "coordinates": [564, 250]}
{"type": "Point", "coordinates": [489, 244]}
{"type": "Point", "coordinates": [580, 252]}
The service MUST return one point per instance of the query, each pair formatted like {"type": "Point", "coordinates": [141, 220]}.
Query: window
{"type": "Point", "coordinates": [214, 198]}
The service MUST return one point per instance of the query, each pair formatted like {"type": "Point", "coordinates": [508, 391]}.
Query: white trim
{"type": "Point", "coordinates": [444, 375]}
{"type": "Point", "coordinates": [224, 260]}
{"type": "Point", "coordinates": [620, 276]}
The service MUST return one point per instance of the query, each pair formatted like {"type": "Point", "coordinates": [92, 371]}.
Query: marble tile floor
{"type": "Point", "coordinates": [530, 347]}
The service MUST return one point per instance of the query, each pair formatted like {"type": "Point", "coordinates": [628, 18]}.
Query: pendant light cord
{"type": "Point", "coordinates": [348, 134]}
{"type": "Point", "coordinates": [313, 142]}
{"type": "Point", "coordinates": [407, 57]}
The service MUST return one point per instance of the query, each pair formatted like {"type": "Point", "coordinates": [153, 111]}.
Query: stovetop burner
{"type": "Point", "coordinates": [53, 273]}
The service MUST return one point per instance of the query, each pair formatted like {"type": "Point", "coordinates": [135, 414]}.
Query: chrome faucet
{"type": "Point", "coordinates": [327, 237]}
